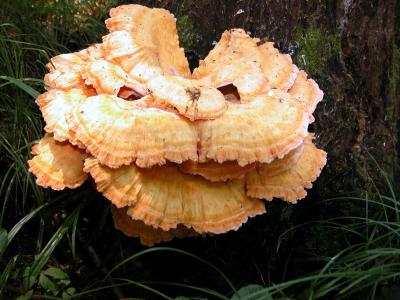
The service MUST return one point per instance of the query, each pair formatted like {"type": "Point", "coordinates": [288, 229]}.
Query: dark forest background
{"type": "Point", "coordinates": [341, 242]}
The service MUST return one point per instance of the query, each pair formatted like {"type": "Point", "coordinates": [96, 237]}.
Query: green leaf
{"type": "Point", "coordinates": [22, 85]}
{"type": "Point", "coordinates": [28, 280]}
{"type": "Point", "coordinates": [64, 282]}
{"type": "Point", "coordinates": [68, 293]}
{"type": "Point", "coordinates": [55, 273]}
{"type": "Point", "coordinates": [71, 290]}
{"type": "Point", "coordinates": [46, 283]}
{"type": "Point", "coordinates": [252, 292]}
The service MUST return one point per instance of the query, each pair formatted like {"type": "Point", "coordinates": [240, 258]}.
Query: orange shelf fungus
{"type": "Point", "coordinates": [56, 107]}
{"type": "Point", "coordinates": [178, 154]}
{"type": "Point", "coordinates": [163, 197]}
{"type": "Point", "coordinates": [214, 171]}
{"type": "Point", "coordinates": [108, 78]}
{"type": "Point", "coordinates": [289, 184]}
{"type": "Point", "coordinates": [145, 42]}
{"type": "Point", "coordinates": [237, 50]}
{"type": "Point", "coordinates": [266, 127]}
{"type": "Point", "coordinates": [148, 234]}
{"type": "Point", "coordinates": [119, 132]}
{"type": "Point", "coordinates": [57, 164]}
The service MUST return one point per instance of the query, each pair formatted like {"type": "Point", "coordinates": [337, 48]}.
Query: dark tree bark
{"type": "Point", "coordinates": [351, 47]}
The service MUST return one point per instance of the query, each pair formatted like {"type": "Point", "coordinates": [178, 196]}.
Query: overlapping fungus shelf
{"type": "Point", "coordinates": [177, 153]}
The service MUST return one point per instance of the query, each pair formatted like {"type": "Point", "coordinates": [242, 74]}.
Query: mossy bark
{"type": "Point", "coordinates": [351, 47]}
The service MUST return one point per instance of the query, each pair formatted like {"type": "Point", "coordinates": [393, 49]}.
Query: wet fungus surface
{"type": "Point", "coordinates": [177, 153]}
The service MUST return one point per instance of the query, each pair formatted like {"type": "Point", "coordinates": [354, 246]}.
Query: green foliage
{"type": "Point", "coordinates": [20, 83]}
{"type": "Point", "coordinates": [55, 282]}
{"type": "Point", "coordinates": [315, 49]}
{"type": "Point", "coordinates": [186, 31]}
{"type": "Point", "coordinates": [252, 292]}
{"type": "Point", "coordinates": [6, 238]}
{"type": "Point", "coordinates": [188, 35]}
{"type": "Point", "coordinates": [371, 259]}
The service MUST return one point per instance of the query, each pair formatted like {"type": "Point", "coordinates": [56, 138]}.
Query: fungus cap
{"type": "Point", "coordinates": [237, 48]}
{"type": "Point", "coordinates": [278, 166]}
{"type": "Point", "coordinates": [64, 72]}
{"type": "Point", "coordinates": [144, 41]}
{"type": "Point", "coordinates": [57, 164]}
{"type": "Point", "coordinates": [119, 132]}
{"type": "Point", "coordinates": [306, 91]}
{"type": "Point", "coordinates": [66, 63]}
{"type": "Point", "coordinates": [261, 130]}
{"type": "Point", "coordinates": [108, 78]}
{"type": "Point", "coordinates": [94, 51]}
{"type": "Point", "coordinates": [58, 80]}
{"type": "Point", "coordinates": [289, 185]}
{"type": "Point", "coordinates": [148, 235]}
{"type": "Point", "coordinates": [214, 171]}
{"type": "Point", "coordinates": [163, 197]}
{"type": "Point", "coordinates": [56, 107]}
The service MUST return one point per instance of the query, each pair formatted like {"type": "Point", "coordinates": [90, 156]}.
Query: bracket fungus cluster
{"type": "Point", "coordinates": [177, 153]}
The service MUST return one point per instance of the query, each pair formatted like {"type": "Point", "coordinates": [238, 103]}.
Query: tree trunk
{"type": "Point", "coordinates": [351, 48]}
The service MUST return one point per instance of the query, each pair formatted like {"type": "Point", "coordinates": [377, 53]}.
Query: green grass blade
{"type": "Point", "coordinates": [18, 226]}
{"type": "Point", "coordinates": [22, 85]}
{"type": "Point", "coordinates": [196, 288]}
{"type": "Point", "coordinates": [7, 272]}
{"type": "Point", "coordinates": [44, 255]}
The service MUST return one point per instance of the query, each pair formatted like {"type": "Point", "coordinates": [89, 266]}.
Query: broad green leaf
{"type": "Point", "coordinates": [46, 283]}
{"type": "Point", "coordinates": [247, 292]}
{"type": "Point", "coordinates": [55, 273]}
{"type": "Point", "coordinates": [68, 293]}
{"type": "Point", "coordinates": [64, 282]}
{"type": "Point", "coordinates": [71, 290]}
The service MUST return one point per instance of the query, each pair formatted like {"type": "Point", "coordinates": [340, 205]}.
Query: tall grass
{"type": "Point", "coordinates": [370, 261]}
{"type": "Point", "coordinates": [30, 33]}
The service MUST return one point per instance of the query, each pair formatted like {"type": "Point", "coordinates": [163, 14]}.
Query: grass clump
{"type": "Point", "coordinates": [367, 264]}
